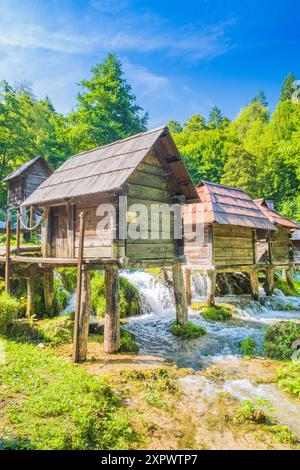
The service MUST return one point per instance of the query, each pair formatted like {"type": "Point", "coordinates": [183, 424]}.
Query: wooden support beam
{"type": "Point", "coordinates": [211, 277]}
{"type": "Point", "coordinates": [112, 311]}
{"type": "Point", "coordinates": [269, 281]}
{"type": "Point", "coordinates": [188, 285]}
{"type": "Point", "coordinates": [289, 277]}
{"type": "Point", "coordinates": [76, 352]}
{"type": "Point", "coordinates": [180, 295]}
{"type": "Point", "coordinates": [48, 290]}
{"type": "Point", "coordinates": [18, 233]}
{"type": "Point", "coordinates": [31, 281]}
{"type": "Point", "coordinates": [254, 284]}
{"type": "Point", "coordinates": [84, 317]}
{"type": "Point", "coordinates": [7, 254]}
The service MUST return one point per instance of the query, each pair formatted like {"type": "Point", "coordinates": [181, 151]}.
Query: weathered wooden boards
{"type": "Point", "coordinates": [7, 255]}
{"type": "Point", "coordinates": [48, 290]}
{"type": "Point", "coordinates": [77, 347]}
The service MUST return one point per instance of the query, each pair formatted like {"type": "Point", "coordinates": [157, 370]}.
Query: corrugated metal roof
{"type": "Point", "coordinates": [227, 205]}
{"type": "Point", "coordinates": [274, 216]}
{"type": "Point", "coordinates": [107, 168]}
{"type": "Point", "coordinates": [21, 169]}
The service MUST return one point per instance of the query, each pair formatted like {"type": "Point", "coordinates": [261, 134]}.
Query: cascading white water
{"type": "Point", "coordinates": [222, 339]}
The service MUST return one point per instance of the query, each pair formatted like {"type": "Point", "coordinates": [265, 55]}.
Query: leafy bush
{"type": "Point", "coordinates": [249, 346]}
{"type": "Point", "coordinates": [128, 343]}
{"type": "Point", "coordinates": [9, 310]}
{"type": "Point", "coordinates": [59, 405]}
{"type": "Point", "coordinates": [187, 331]}
{"type": "Point", "coordinates": [130, 301]}
{"type": "Point", "coordinates": [68, 277]}
{"type": "Point", "coordinates": [279, 338]}
{"type": "Point", "coordinates": [217, 313]}
{"type": "Point", "coordinates": [289, 378]}
{"type": "Point", "coordinates": [253, 411]}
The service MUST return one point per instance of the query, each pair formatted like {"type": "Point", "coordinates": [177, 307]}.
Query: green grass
{"type": "Point", "coordinates": [187, 331]}
{"type": "Point", "coordinates": [279, 338]}
{"type": "Point", "coordinates": [49, 403]}
{"type": "Point", "coordinates": [217, 313]}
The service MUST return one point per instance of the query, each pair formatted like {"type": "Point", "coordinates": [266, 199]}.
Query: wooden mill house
{"type": "Point", "coordinates": [276, 248]}
{"type": "Point", "coordinates": [228, 220]}
{"type": "Point", "coordinates": [146, 170]}
{"type": "Point", "coordinates": [296, 247]}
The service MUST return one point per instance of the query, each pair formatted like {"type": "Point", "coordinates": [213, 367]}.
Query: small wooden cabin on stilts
{"type": "Point", "coordinates": [276, 248]}
{"type": "Point", "coordinates": [225, 222]}
{"type": "Point", "coordinates": [97, 196]}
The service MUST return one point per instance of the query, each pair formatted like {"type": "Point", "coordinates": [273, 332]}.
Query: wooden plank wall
{"type": "Point", "coordinates": [16, 192]}
{"type": "Point", "coordinates": [35, 176]}
{"type": "Point", "coordinates": [232, 245]}
{"type": "Point", "coordinates": [199, 253]}
{"type": "Point", "coordinates": [149, 185]}
{"type": "Point", "coordinates": [281, 246]}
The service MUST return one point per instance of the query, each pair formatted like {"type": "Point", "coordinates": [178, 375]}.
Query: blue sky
{"type": "Point", "coordinates": [181, 57]}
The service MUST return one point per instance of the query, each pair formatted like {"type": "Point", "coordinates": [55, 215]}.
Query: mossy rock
{"type": "Point", "coordinates": [130, 300]}
{"type": "Point", "coordinates": [217, 313]}
{"type": "Point", "coordinates": [187, 331]}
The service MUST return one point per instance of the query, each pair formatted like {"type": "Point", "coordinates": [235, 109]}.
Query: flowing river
{"type": "Point", "coordinates": [222, 339]}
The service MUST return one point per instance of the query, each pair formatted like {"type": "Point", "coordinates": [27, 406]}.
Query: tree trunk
{"type": "Point", "coordinates": [289, 277]}
{"type": "Point", "coordinates": [180, 295]}
{"type": "Point", "coordinates": [84, 315]}
{"type": "Point", "coordinates": [112, 311]}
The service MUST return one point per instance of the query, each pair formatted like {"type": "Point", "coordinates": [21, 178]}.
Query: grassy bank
{"type": "Point", "coordinates": [48, 403]}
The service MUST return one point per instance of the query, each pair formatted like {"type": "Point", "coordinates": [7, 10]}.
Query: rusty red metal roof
{"type": "Point", "coordinates": [274, 216]}
{"type": "Point", "coordinates": [227, 205]}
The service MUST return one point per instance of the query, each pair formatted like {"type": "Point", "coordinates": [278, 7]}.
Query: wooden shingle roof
{"type": "Point", "coordinates": [23, 168]}
{"type": "Point", "coordinates": [274, 216]}
{"type": "Point", "coordinates": [107, 168]}
{"type": "Point", "coordinates": [227, 205]}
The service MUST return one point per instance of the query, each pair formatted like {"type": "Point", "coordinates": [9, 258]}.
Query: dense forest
{"type": "Point", "coordinates": [258, 151]}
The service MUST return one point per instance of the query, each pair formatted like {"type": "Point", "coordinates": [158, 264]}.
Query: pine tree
{"type": "Point", "coordinates": [215, 118]}
{"type": "Point", "coordinates": [261, 98]}
{"type": "Point", "coordinates": [106, 108]}
{"type": "Point", "coordinates": [288, 87]}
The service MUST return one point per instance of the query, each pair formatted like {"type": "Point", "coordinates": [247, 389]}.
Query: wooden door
{"type": "Point", "coordinates": [59, 240]}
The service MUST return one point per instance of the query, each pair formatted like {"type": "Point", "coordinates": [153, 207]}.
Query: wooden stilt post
{"type": "Point", "coordinates": [254, 284]}
{"type": "Point", "coordinates": [31, 280]}
{"type": "Point", "coordinates": [188, 285]}
{"type": "Point", "coordinates": [7, 253]}
{"type": "Point", "coordinates": [48, 290]}
{"type": "Point", "coordinates": [112, 311]}
{"type": "Point", "coordinates": [76, 355]}
{"type": "Point", "coordinates": [18, 233]}
{"type": "Point", "coordinates": [289, 277]}
{"type": "Point", "coordinates": [211, 287]}
{"type": "Point", "coordinates": [180, 295]}
{"type": "Point", "coordinates": [84, 319]}
{"type": "Point", "coordinates": [269, 282]}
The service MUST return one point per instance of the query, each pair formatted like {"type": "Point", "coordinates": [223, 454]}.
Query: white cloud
{"type": "Point", "coordinates": [145, 81]}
